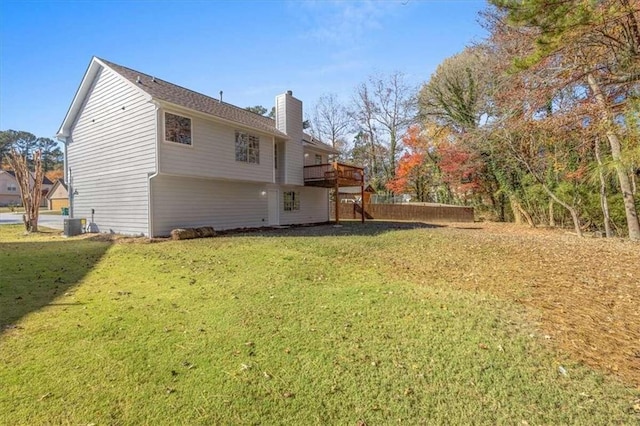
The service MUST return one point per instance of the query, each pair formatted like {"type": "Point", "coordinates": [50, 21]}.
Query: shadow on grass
{"type": "Point", "coordinates": [346, 228]}
{"type": "Point", "coordinates": [34, 274]}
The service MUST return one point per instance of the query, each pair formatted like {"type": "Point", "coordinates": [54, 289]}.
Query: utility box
{"type": "Point", "coordinates": [73, 227]}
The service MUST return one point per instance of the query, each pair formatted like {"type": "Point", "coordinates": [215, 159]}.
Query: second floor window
{"type": "Point", "coordinates": [177, 128]}
{"type": "Point", "coordinates": [247, 148]}
{"type": "Point", "coordinates": [12, 188]}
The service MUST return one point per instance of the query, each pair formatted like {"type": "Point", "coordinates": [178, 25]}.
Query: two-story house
{"type": "Point", "coordinates": [144, 156]}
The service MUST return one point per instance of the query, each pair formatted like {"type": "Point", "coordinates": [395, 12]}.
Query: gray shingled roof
{"type": "Point", "coordinates": [313, 142]}
{"type": "Point", "coordinates": [174, 94]}
{"type": "Point", "coordinates": [45, 180]}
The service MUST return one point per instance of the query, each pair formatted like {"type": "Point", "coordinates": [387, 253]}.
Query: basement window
{"type": "Point", "coordinates": [247, 148]}
{"type": "Point", "coordinates": [177, 128]}
{"type": "Point", "coordinates": [291, 201]}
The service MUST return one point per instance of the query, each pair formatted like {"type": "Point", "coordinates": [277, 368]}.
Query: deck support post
{"type": "Point", "coordinates": [362, 200]}
{"type": "Point", "coordinates": [337, 196]}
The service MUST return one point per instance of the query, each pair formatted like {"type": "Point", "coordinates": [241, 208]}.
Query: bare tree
{"type": "Point", "coordinates": [331, 122]}
{"type": "Point", "coordinates": [30, 186]}
{"type": "Point", "coordinates": [384, 108]}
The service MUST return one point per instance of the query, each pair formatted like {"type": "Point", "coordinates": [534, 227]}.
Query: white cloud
{"type": "Point", "coordinates": [345, 22]}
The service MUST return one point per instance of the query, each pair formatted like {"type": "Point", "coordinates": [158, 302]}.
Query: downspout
{"type": "Point", "coordinates": [154, 174]}
{"type": "Point", "coordinates": [66, 173]}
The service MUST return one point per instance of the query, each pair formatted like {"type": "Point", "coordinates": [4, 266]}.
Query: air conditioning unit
{"type": "Point", "coordinates": [73, 227]}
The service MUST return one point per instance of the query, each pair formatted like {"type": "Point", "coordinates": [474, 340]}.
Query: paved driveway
{"type": "Point", "coordinates": [54, 221]}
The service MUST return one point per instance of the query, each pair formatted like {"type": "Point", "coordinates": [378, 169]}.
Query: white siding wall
{"type": "Point", "coordinates": [289, 121]}
{"type": "Point", "coordinates": [180, 202]}
{"type": "Point", "coordinates": [310, 160]}
{"type": "Point", "coordinates": [314, 206]}
{"type": "Point", "coordinates": [212, 153]}
{"type": "Point", "coordinates": [111, 151]}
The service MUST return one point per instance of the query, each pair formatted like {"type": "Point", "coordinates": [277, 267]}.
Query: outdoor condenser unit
{"type": "Point", "coordinates": [73, 227]}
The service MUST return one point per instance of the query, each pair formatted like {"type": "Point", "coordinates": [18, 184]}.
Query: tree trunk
{"type": "Point", "coordinates": [572, 211]}
{"type": "Point", "coordinates": [31, 194]}
{"type": "Point", "coordinates": [633, 225]}
{"type": "Point", "coordinates": [603, 192]}
{"type": "Point", "coordinates": [552, 219]}
{"type": "Point", "coordinates": [519, 212]}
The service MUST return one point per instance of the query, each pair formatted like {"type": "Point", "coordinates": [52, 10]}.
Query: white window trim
{"type": "Point", "coordinates": [295, 203]}
{"type": "Point", "coordinates": [235, 141]}
{"type": "Point", "coordinates": [164, 130]}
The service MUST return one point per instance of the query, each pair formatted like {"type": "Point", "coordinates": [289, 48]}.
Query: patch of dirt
{"type": "Point", "coordinates": [587, 290]}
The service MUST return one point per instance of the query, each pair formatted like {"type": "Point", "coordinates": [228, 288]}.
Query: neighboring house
{"type": "Point", "coordinates": [145, 156]}
{"type": "Point", "coordinates": [10, 190]}
{"type": "Point", "coordinates": [354, 194]}
{"type": "Point", "coordinates": [58, 196]}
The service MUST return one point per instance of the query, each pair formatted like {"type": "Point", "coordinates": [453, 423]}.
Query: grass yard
{"type": "Point", "coordinates": [375, 324]}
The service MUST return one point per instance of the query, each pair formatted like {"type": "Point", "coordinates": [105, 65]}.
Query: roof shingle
{"type": "Point", "coordinates": [177, 95]}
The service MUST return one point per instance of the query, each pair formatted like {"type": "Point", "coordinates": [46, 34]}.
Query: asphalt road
{"type": "Point", "coordinates": [54, 221]}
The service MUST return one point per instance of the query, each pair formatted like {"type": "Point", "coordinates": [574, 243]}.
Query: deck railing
{"type": "Point", "coordinates": [334, 171]}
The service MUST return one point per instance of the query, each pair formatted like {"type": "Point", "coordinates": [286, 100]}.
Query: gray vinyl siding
{"type": "Point", "coordinates": [294, 160]}
{"type": "Point", "coordinates": [289, 120]}
{"type": "Point", "coordinates": [314, 206]}
{"type": "Point", "coordinates": [212, 153]}
{"type": "Point", "coordinates": [111, 153]}
{"type": "Point", "coordinates": [184, 202]}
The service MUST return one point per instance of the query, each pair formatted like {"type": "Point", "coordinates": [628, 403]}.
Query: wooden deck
{"type": "Point", "coordinates": [333, 175]}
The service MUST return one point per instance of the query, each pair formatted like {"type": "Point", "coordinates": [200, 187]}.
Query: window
{"type": "Point", "coordinates": [247, 148]}
{"type": "Point", "coordinates": [12, 188]}
{"type": "Point", "coordinates": [318, 159]}
{"type": "Point", "coordinates": [177, 128]}
{"type": "Point", "coordinates": [291, 201]}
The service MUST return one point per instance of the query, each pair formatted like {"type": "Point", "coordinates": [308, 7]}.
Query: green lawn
{"type": "Point", "coordinates": [273, 328]}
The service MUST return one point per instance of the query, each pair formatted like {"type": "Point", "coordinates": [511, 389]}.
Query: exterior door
{"type": "Point", "coordinates": [274, 212]}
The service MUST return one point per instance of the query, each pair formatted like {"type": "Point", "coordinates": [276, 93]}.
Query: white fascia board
{"type": "Point", "coordinates": [78, 99]}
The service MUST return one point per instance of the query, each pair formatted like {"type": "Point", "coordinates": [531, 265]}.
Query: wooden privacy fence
{"type": "Point", "coordinates": [422, 213]}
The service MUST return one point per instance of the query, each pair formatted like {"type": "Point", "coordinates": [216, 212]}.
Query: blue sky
{"type": "Point", "coordinates": [251, 50]}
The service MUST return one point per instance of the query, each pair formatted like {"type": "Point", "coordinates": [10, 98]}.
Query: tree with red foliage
{"type": "Point", "coordinates": [414, 167]}
{"type": "Point", "coordinates": [462, 168]}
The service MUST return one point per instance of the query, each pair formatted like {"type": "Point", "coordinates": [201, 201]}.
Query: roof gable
{"type": "Point", "coordinates": [163, 91]}
{"type": "Point", "coordinates": [45, 180]}
{"type": "Point", "coordinates": [58, 184]}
